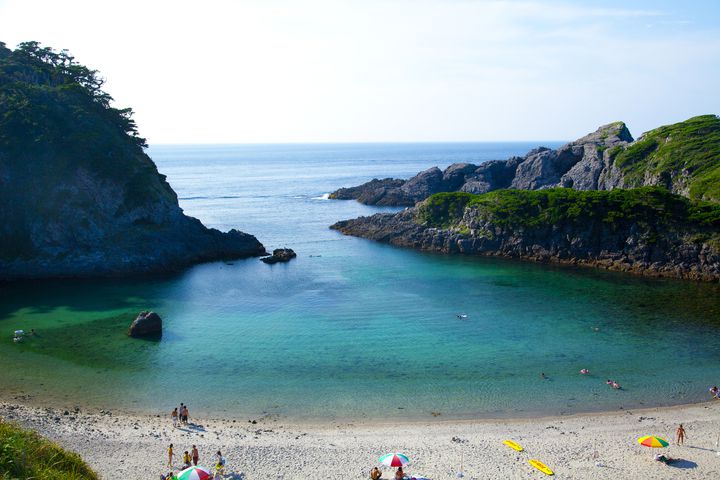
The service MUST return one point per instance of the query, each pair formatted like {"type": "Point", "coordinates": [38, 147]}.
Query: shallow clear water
{"type": "Point", "coordinates": [352, 328]}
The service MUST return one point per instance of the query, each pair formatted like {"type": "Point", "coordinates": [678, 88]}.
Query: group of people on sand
{"type": "Point", "coordinates": [679, 440]}
{"type": "Point", "coordinates": [180, 415]}
{"type": "Point", "coordinates": [376, 474]}
{"type": "Point", "coordinates": [191, 458]}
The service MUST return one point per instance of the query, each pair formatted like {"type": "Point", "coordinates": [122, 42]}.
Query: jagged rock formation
{"type": "Point", "coordinates": [684, 158]}
{"type": "Point", "coordinates": [647, 231]}
{"type": "Point", "coordinates": [79, 195]}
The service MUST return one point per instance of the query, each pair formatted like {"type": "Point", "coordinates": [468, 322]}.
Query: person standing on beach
{"type": "Point", "coordinates": [195, 455]}
{"type": "Point", "coordinates": [220, 466]}
{"type": "Point", "coordinates": [174, 416]}
{"type": "Point", "coordinates": [170, 455]}
{"type": "Point", "coordinates": [185, 415]}
{"type": "Point", "coordinates": [680, 435]}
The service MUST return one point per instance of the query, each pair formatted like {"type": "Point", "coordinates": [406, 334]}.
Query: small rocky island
{"type": "Point", "coordinates": [79, 195]}
{"type": "Point", "coordinates": [650, 206]}
{"type": "Point", "coordinates": [280, 255]}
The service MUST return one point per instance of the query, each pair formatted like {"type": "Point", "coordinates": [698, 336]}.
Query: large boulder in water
{"type": "Point", "coordinates": [146, 324]}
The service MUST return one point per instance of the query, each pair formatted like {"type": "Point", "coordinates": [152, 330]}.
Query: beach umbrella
{"type": "Point", "coordinates": [394, 460]}
{"type": "Point", "coordinates": [653, 442]}
{"type": "Point", "coordinates": [195, 473]}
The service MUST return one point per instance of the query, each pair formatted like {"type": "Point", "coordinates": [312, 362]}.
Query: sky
{"type": "Point", "coordinates": [277, 71]}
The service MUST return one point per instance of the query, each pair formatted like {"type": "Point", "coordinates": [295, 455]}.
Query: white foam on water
{"type": "Point", "coordinates": [324, 196]}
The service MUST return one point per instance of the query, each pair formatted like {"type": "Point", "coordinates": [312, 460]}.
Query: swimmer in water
{"type": "Point", "coordinates": [584, 371]}
{"type": "Point", "coordinates": [616, 385]}
{"type": "Point", "coordinates": [543, 376]}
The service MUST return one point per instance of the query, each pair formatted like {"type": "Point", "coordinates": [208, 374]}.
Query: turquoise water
{"type": "Point", "coordinates": [353, 329]}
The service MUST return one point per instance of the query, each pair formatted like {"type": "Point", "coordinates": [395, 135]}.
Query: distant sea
{"type": "Point", "coordinates": [353, 329]}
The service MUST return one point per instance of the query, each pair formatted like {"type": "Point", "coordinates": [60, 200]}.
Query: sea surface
{"type": "Point", "coordinates": [353, 329]}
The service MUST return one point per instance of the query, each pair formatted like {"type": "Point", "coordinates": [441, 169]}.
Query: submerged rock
{"type": "Point", "coordinates": [280, 255]}
{"type": "Point", "coordinates": [146, 324]}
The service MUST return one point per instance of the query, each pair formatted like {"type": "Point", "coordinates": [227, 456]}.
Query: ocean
{"type": "Point", "coordinates": [353, 329]}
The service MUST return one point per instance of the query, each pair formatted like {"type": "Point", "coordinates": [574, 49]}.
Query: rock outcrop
{"type": "Point", "coordinates": [280, 255]}
{"type": "Point", "coordinates": [147, 324]}
{"type": "Point", "coordinates": [79, 197]}
{"type": "Point", "coordinates": [585, 164]}
{"type": "Point", "coordinates": [683, 157]}
{"type": "Point", "coordinates": [649, 232]}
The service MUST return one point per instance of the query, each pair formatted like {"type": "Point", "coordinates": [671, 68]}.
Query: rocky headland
{"type": "Point", "coordinates": [683, 158]}
{"type": "Point", "coordinates": [649, 206]}
{"type": "Point", "coordinates": [647, 231]}
{"type": "Point", "coordinates": [79, 195]}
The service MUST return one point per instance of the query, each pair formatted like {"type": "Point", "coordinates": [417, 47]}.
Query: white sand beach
{"type": "Point", "coordinates": [593, 446]}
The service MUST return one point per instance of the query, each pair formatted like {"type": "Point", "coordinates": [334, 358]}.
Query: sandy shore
{"type": "Point", "coordinates": [123, 446]}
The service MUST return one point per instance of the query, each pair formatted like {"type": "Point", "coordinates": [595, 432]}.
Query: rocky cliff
{"type": "Point", "coordinates": [647, 230]}
{"type": "Point", "coordinates": [684, 158]}
{"type": "Point", "coordinates": [79, 196]}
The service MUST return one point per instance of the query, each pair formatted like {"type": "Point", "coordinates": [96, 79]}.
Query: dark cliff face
{"type": "Point", "coordinates": [639, 237]}
{"type": "Point", "coordinates": [64, 219]}
{"type": "Point", "coordinates": [79, 196]}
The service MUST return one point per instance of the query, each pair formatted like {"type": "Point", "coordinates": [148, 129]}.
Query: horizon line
{"type": "Point", "coordinates": [400, 142]}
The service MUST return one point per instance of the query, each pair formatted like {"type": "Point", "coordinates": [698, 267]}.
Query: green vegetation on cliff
{"type": "Point", "coordinates": [26, 455]}
{"type": "Point", "coordinates": [685, 155]}
{"type": "Point", "coordinates": [55, 119]}
{"type": "Point", "coordinates": [48, 99]}
{"type": "Point", "coordinates": [532, 208]}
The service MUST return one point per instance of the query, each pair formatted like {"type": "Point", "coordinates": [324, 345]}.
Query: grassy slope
{"type": "Point", "coordinates": [690, 148]}
{"type": "Point", "coordinates": [25, 455]}
{"type": "Point", "coordinates": [527, 208]}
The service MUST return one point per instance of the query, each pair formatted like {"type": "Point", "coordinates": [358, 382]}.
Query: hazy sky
{"type": "Point", "coordinates": [395, 70]}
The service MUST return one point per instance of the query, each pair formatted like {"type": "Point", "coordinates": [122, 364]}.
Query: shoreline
{"type": "Point", "coordinates": [34, 401]}
{"type": "Point", "coordinates": [134, 445]}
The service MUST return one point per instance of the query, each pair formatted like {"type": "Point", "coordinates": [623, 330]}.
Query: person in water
{"type": "Point", "coordinates": [680, 434]}
{"type": "Point", "coordinates": [585, 371]}
{"type": "Point", "coordinates": [375, 473]}
{"type": "Point", "coordinates": [714, 391]}
{"type": "Point", "coordinates": [543, 376]}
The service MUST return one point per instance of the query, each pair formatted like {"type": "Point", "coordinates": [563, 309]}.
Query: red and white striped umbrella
{"type": "Point", "coordinates": [394, 459]}
{"type": "Point", "coordinates": [195, 473]}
